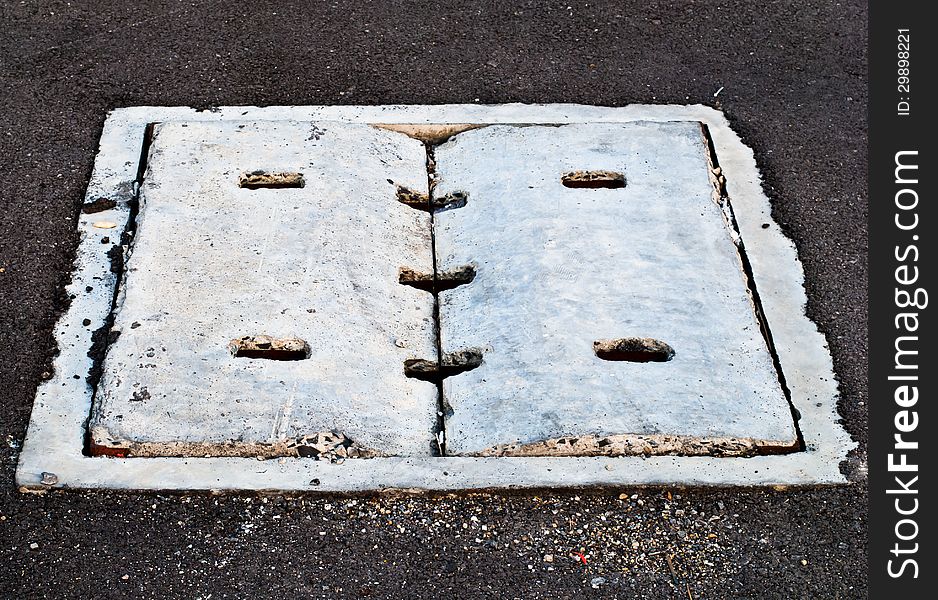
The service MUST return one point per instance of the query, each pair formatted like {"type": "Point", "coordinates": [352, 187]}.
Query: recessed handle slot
{"type": "Point", "coordinates": [445, 280]}
{"type": "Point", "coordinates": [256, 180]}
{"type": "Point", "coordinates": [633, 349]}
{"type": "Point", "coordinates": [269, 348]}
{"type": "Point", "coordinates": [593, 179]}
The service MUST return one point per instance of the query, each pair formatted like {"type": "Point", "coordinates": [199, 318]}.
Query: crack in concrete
{"type": "Point", "coordinates": [119, 253]}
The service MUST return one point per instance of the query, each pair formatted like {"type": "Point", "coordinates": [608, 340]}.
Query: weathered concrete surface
{"type": "Point", "coordinates": [56, 438]}
{"type": "Point", "coordinates": [558, 269]}
{"type": "Point", "coordinates": [213, 262]}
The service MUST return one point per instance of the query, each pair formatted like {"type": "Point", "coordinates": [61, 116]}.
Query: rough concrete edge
{"type": "Point", "coordinates": [630, 444]}
{"type": "Point", "coordinates": [322, 444]}
{"type": "Point", "coordinates": [55, 437]}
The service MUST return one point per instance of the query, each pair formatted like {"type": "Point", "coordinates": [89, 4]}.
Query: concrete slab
{"type": "Point", "coordinates": [261, 313]}
{"type": "Point", "coordinates": [53, 455]}
{"type": "Point", "coordinates": [581, 233]}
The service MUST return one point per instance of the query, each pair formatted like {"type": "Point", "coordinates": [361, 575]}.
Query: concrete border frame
{"type": "Point", "coordinates": [53, 453]}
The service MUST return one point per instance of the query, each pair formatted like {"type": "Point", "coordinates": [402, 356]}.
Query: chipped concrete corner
{"type": "Point", "coordinates": [491, 392]}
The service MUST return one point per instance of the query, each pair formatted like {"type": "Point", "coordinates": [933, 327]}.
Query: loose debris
{"type": "Point", "coordinates": [330, 445]}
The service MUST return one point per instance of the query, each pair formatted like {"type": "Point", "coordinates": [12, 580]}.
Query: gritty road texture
{"type": "Point", "coordinates": [793, 79]}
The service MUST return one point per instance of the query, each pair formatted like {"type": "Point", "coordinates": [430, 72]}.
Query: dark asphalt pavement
{"type": "Point", "coordinates": [794, 84]}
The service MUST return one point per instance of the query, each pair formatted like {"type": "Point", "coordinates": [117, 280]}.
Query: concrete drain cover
{"type": "Point", "coordinates": [561, 272]}
{"type": "Point", "coordinates": [218, 274]}
{"type": "Point", "coordinates": [435, 297]}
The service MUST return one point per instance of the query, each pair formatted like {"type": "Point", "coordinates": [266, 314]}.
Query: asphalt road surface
{"type": "Point", "coordinates": [793, 79]}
